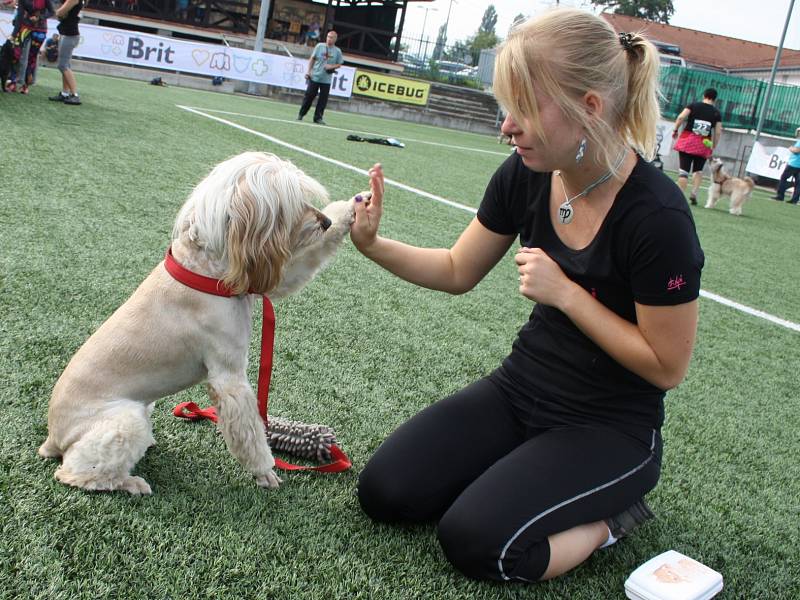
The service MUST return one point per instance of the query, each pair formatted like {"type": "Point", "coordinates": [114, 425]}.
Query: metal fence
{"type": "Point", "coordinates": [426, 59]}
{"type": "Point", "coordinates": [738, 99]}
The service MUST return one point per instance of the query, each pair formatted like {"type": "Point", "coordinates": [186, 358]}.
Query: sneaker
{"type": "Point", "coordinates": [11, 86]}
{"type": "Point", "coordinates": [778, 198]}
{"type": "Point", "coordinates": [24, 90]}
{"type": "Point", "coordinates": [59, 97]}
{"type": "Point", "coordinates": [320, 122]}
{"type": "Point", "coordinates": [299, 117]}
{"type": "Point", "coordinates": [626, 521]}
{"type": "Point", "coordinates": [693, 199]}
{"type": "Point", "coordinates": [73, 99]}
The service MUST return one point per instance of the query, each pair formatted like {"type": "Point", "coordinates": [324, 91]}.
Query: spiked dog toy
{"type": "Point", "coordinates": [306, 440]}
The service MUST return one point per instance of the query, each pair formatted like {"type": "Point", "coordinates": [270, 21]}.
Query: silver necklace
{"type": "Point", "coordinates": [566, 212]}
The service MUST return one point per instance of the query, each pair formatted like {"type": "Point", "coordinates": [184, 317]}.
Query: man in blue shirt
{"type": "Point", "coordinates": [792, 170]}
{"type": "Point", "coordinates": [322, 64]}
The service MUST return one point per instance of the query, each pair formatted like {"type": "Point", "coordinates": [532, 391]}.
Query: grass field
{"type": "Point", "coordinates": [87, 200]}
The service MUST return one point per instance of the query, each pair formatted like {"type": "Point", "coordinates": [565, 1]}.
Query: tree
{"type": "Point", "coordinates": [441, 40]}
{"type": "Point", "coordinates": [459, 52]}
{"type": "Point", "coordinates": [479, 42]}
{"type": "Point", "coordinates": [520, 18]}
{"type": "Point", "coordinates": [485, 37]}
{"type": "Point", "coordinates": [489, 20]}
{"type": "Point", "coordinates": [653, 10]}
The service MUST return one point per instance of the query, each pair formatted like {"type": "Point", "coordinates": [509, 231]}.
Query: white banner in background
{"type": "Point", "coordinates": [767, 161]}
{"type": "Point", "coordinates": [156, 52]}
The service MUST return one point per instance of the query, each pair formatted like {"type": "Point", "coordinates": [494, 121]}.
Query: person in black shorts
{"type": "Point", "coordinates": [697, 141]}
{"type": "Point", "coordinates": [562, 441]}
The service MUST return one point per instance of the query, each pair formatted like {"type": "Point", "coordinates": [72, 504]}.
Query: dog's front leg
{"type": "Point", "coordinates": [342, 215]}
{"type": "Point", "coordinates": [714, 192]}
{"type": "Point", "coordinates": [242, 428]}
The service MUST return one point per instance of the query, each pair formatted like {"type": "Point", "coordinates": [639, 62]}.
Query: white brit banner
{"type": "Point", "coordinates": [185, 56]}
{"type": "Point", "coordinates": [767, 161]}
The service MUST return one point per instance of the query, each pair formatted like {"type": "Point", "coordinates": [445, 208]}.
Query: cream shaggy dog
{"type": "Point", "coordinates": [251, 223]}
{"type": "Point", "coordinates": [723, 184]}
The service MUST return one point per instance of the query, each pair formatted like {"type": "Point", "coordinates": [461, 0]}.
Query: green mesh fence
{"type": "Point", "coordinates": [738, 99]}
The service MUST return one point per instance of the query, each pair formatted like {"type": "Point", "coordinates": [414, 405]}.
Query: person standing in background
{"type": "Point", "coordinates": [697, 141]}
{"type": "Point", "coordinates": [68, 15]}
{"type": "Point", "coordinates": [791, 170]}
{"type": "Point", "coordinates": [322, 64]}
{"type": "Point", "coordinates": [30, 33]}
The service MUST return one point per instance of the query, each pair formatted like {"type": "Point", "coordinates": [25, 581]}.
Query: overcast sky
{"type": "Point", "coordinates": [744, 19]}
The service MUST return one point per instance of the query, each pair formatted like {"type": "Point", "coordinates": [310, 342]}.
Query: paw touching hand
{"type": "Point", "coordinates": [341, 213]}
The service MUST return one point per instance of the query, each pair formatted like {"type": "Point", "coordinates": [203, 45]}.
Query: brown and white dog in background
{"type": "Point", "coordinates": [723, 184]}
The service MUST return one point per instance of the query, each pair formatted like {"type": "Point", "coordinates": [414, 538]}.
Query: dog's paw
{"type": "Point", "coordinates": [342, 215]}
{"type": "Point", "coordinates": [269, 480]}
{"type": "Point", "coordinates": [136, 486]}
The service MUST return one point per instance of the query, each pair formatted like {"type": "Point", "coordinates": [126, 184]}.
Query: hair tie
{"type": "Point", "coordinates": [626, 39]}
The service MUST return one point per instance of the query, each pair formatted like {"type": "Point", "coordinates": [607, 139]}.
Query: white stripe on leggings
{"type": "Point", "coordinates": [564, 503]}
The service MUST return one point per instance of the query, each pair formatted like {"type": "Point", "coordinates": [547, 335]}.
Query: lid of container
{"type": "Point", "coordinates": [673, 576]}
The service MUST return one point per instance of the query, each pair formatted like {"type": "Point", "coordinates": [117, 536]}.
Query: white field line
{"type": "Point", "coordinates": [338, 163]}
{"type": "Point", "coordinates": [750, 311]}
{"type": "Point", "coordinates": [708, 295]}
{"type": "Point", "coordinates": [329, 128]}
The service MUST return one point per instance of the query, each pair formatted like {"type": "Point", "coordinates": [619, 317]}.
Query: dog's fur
{"type": "Point", "coordinates": [251, 222]}
{"type": "Point", "coordinates": [6, 63]}
{"type": "Point", "coordinates": [723, 184]}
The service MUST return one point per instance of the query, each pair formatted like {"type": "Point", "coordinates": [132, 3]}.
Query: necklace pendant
{"type": "Point", "coordinates": [565, 213]}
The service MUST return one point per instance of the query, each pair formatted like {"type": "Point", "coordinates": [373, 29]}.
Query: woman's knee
{"type": "Point", "coordinates": [466, 548]}
{"type": "Point", "coordinates": [387, 497]}
{"type": "Point", "coordinates": [475, 549]}
{"type": "Point", "coordinates": [376, 496]}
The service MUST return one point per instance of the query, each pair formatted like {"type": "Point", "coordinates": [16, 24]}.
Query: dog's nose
{"type": "Point", "coordinates": [325, 223]}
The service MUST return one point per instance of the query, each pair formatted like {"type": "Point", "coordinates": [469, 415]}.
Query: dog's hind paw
{"type": "Point", "coordinates": [269, 480]}
{"type": "Point", "coordinates": [136, 486]}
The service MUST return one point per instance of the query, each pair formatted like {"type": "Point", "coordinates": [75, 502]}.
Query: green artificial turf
{"type": "Point", "coordinates": [87, 200]}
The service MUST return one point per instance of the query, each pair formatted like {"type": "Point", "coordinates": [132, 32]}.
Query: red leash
{"type": "Point", "coordinates": [192, 412]}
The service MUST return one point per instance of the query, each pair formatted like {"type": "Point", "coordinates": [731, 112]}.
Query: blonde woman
{"type": "Point", "coordinates": [562, 441]}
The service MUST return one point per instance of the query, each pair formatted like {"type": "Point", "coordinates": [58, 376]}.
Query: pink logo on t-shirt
{"type": "Point", "coordinates": [676, 283]}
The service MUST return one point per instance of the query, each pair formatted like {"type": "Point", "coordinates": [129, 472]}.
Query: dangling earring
{"type": "Point", "coordinates": [581, 151]}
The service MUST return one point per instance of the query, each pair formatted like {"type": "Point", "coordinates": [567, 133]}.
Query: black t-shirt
{"type": "Point", "coordinates": [69, 24]}
{"type": "Point", "coordinates": [702, 118]}
{"type": "Point", "coordinates": [646, 251]}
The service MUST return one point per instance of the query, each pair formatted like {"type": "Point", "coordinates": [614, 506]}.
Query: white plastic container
{"type": "Point", "coordinates": [673, 576]}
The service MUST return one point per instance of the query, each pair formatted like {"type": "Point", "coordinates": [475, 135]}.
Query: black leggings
{"type": "Point", "coordinates": [314, 88]}
{"type": "Point", "coordinates": [499, 487]}
{"type": "Point", "coordinates": [689, 163]}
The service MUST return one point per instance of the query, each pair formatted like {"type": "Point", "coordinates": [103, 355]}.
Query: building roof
{"type": "Point", "coordinates": [699, 47]}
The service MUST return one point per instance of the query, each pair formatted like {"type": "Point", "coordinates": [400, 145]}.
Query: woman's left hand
{"type": "Point", "coordinates": [540, 277]}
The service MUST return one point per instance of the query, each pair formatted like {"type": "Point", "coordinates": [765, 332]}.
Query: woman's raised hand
{"type": "Point", "coordinates": [364, 230]}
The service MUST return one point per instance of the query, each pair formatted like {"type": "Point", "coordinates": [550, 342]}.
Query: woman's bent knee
{"type": "Point", "coordinates": [388, 498]}
{"type": "Point", "coordinates": [377, 498]}
{"type": "Point", "coordinates": [474, 549]}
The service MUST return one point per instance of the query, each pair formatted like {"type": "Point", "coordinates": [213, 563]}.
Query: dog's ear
{"type": "Point", "coordinates": [258, 242]}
